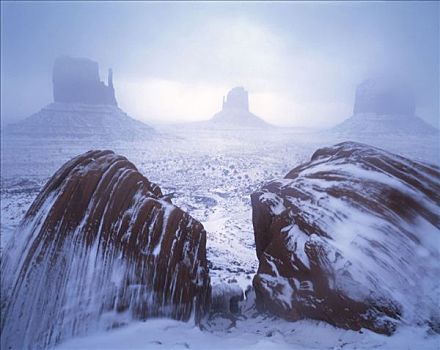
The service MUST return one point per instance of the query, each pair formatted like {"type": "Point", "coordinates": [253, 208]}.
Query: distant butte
{"type": "Point", "coordinates": [83, 107]}
{"type": "Point", "coordinates": [76, 80]}
{"type": "Point", "coordinates": [235, 111]}
{"type": "Point", "coordinates": [384, 107]}
{"type": "Point", "coordinates": [237, 98]}
{"type": "Point", "coordinates": [384, 98]}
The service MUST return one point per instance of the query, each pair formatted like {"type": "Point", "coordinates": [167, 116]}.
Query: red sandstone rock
{"type": "Point", "coordinates": [98, 247]}
{"type": "Point", "coordinates": [351, 238]}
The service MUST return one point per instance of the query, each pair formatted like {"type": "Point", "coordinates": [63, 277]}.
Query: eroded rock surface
{"type": "Point", "coordinates": [352, 238]}
{"type": "Point", "coordinates": [98, 247]}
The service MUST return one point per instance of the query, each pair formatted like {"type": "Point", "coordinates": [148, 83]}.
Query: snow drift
{"type": "Point", "coordinates": [352, 238]}
{"type": "Point", "coordinates": [100, 246]}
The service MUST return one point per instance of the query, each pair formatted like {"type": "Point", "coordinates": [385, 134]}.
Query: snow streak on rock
{"type": "Point", "coordinates": [351, 237]}
{"type": "Point", "coordinates": [100, 246]}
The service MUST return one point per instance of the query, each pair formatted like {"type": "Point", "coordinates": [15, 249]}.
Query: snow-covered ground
{"type": "Point", "coordinates": [259, 333]}
{"type": "Point", "coordinates": [211, 174]}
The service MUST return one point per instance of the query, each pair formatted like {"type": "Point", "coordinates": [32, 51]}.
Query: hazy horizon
{"type": "Point", "coordinates": [173, 62]}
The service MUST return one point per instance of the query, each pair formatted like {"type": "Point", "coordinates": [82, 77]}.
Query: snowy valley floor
{"type": "Point", "coordinates": [251, 334]}
{"type": "Point", "coordinates": [210, 174]}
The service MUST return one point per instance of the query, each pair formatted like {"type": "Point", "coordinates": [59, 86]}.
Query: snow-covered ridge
{"type": "Point", "coordinates": [100, 246]}
{"type": "Point", "coordinates": [77, 120]}
{"type": "Point", "coordinates": [370, 125]}
{"type": "Point", "coordinates": [351, 237]}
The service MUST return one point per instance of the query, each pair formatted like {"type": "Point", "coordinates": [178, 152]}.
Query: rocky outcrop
{"type": "Point", "coordinates": [98, 247]}
{"type": "Point", "coordinates": [84, 107]}
{"type": "Point", "coordinates": [235, 112]}
{"type": "Point", "coordinates": [351, 238]}
{"type": "Point", "coordinates": [76, 80]}
{"type": "Point", "coordinates": [384, 108]}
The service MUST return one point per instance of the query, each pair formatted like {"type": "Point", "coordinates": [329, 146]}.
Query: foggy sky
{"type": "Point", "coordinates": [173, 62]}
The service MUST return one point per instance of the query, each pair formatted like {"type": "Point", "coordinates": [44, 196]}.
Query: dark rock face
{"type": "Point", "coordinates": [76, 80]}
{"type": "Point", "coordinates": [349, 238]}
{"type": "Point", "coordinates": [384, 98]}
{"type": "Point", "coordinates": [100, 246]}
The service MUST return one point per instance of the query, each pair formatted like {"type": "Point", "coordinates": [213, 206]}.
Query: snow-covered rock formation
{"type": "Point", "coordinates": [382, 107]}
{"type": "Point", "coordinates": [100, 246]}
{"type": "Point", "coordinates": [352, 238]}
{"type": "Point", "coordinates": [235, 112]}
{"type": "Point", "coordinates": [83, 107]}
